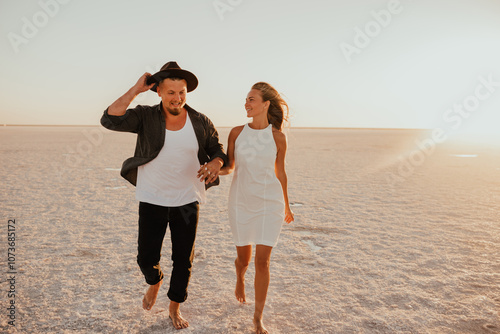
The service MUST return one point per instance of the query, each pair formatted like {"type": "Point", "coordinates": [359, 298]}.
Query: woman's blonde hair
{"type": "Point", "coordinates": [278, 108]}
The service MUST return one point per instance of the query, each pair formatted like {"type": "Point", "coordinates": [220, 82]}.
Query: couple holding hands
{"type": "Point", "coordinates": [178, 156]}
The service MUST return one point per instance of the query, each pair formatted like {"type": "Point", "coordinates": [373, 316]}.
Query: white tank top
{"type": "Point", "coordinates": [170, 178]}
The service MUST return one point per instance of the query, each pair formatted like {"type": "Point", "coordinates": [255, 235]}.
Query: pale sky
{"type": "Point", "coordinates": [382, 64]}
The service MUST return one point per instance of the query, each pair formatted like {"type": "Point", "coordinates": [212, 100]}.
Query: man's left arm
{"type": "Point", "coordinates": [210, 170]}
{"type": "Point", "coordinates": [214, 148]}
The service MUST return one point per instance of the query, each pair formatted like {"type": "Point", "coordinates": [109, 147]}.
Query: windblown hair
{"type": "Point", "coordinates": [278, 108]}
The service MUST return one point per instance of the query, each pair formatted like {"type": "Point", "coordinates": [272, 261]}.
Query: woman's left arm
{"type": "Point", "coordinates": [279, 168]}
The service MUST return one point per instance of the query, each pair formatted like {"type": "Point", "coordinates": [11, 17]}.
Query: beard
{"type": "Point", "coordinates": [174, 111]}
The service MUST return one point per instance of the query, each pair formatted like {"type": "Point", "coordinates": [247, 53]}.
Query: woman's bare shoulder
{"type": "Point", "coordinates": [237, 129]}
{"type": "Point", "coordinates": [279, 138]}
{"type": "Point", "coordinates": [235, 132]}
{"type": "Point", "coordinates": [278, 135]}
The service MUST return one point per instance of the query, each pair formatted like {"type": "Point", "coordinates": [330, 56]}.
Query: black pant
{"type": "Point", "coordinates": [153, 221]}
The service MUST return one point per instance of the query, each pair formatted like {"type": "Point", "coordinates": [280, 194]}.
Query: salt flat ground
{"type": "Point", "coordinates": [388, 238]}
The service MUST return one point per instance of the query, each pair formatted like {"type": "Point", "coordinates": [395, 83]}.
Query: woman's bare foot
{"type": "Point", "coordinates": [175, 315]}
{"type": "Point", "coordinates": [240, 283]}
{"type": "Point", "coordinates": [150, 297]}
{"type": "Point", "coordinates": [259, 325]}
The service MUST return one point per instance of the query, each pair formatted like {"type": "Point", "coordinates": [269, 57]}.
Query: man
{"type": "Point", "coordinates": [173, 140]}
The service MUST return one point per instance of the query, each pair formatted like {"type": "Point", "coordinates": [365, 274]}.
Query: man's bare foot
{"type": "Point", "coordinates": [239, 292]}
{"type": "Point", "coordinates": [150, 296]}
{"type": "Point", "coordinates": [175, 315]}
{"type": "Point", "coordinates": [259, 325]}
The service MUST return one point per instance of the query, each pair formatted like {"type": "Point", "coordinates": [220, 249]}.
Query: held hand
{"type": "Point", "coordinates": [210, 171]}
{"type": "Point", "coordinates": [141, 85]}
{"type": "Point", "coordinates": [288, 215]}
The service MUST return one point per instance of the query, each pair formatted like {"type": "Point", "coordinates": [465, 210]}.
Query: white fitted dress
{"type": "Point", "coordinates": [256, 203]}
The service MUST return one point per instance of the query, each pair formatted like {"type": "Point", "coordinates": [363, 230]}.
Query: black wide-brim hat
{"type": "Point", "coordinates": [172, 70]}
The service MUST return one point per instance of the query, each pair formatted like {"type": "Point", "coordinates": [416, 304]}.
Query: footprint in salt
{"type": "Point", "coordinates": [490, 327]}
{"type": "Point", "coordinates": [313, 246]}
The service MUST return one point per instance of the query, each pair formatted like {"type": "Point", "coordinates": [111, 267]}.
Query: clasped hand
{"type": "Point", "coordinates": [209, 172]}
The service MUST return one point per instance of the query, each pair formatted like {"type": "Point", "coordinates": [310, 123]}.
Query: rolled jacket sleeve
{"type": "Point", "coordinates": [129, 122]}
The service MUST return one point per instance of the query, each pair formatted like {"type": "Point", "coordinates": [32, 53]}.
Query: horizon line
{"type": "Point", "coordinates": [223, 126]}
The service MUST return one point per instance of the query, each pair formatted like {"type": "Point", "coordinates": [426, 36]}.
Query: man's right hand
{"type": "Point", "coordinates": [141, 85]}
{"type": "Point", "coordinates": [119, 107]}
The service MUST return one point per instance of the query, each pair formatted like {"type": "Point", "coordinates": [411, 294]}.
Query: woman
{"type": "Point", "coordinates": [258, 199]}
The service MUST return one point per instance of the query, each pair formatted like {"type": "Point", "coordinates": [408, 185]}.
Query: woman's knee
{"type": "Point", "coordinates": [244, 256]}
{"type": "Point", "coordinates": [262, 264]}
{"type": "Point", "coordinates": [242, 262]}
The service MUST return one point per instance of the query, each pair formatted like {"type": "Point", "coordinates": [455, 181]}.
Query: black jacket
{"type": "Point", "coordinates": [149, 124]}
